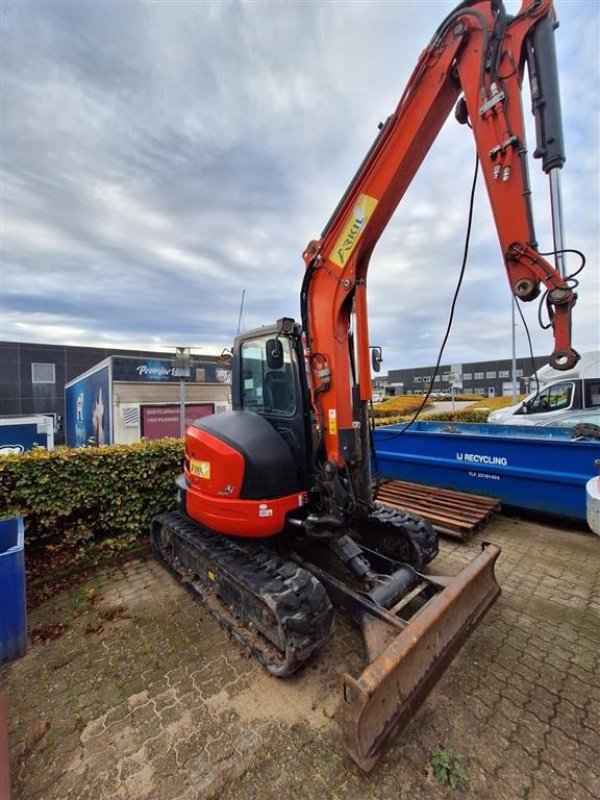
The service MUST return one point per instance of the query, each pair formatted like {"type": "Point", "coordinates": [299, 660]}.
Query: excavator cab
{"type": "Point", "coordinates": [269, 379]}
{"type": "Point", "coordinates": [247, 470]}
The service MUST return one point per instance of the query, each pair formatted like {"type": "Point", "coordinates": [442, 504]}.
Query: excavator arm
{"type": "Point", "coordinates": [474, 61]}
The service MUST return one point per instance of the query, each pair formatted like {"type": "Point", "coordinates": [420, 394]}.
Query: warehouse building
{"type": "Point", "coordinates": [489, 378]}
{"type": "Point", "coordinates": [33, 377]}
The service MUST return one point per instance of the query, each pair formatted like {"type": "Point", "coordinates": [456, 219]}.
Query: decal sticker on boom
{"type": "Point", "coordinates": [332, 421]}
{"type": "Point", "coordinates": [348, 238]}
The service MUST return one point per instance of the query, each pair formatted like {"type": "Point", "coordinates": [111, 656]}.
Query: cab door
{"type": "Point", "coordinates": [273, 387]}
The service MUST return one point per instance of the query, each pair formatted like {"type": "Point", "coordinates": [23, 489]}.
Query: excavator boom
{"type": "Point", "coordinates": [475, 59]}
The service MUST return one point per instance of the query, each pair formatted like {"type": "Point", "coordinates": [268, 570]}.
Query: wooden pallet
{"type": "Point", "coordinates": [452, 513]}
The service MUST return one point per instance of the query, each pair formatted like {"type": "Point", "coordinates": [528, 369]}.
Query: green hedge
{"type": "Point", "coordinates": [466, 415]}
{"type": "Point", "coordinates": [90, 492]}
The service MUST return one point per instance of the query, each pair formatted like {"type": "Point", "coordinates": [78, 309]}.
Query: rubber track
{"type": "Point", "coordinates": [266, 583]}
{"type": "Point", "coordinates": [402, 526]}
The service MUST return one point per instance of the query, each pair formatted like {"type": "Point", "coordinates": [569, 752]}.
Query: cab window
{"type": "Point", "coordinates": [267, 390]}
{"type": "Point", "coordinates": [555, 398]}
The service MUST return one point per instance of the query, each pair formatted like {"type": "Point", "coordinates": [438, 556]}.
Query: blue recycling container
{"type": "Point", "coordinates": [13, 615]}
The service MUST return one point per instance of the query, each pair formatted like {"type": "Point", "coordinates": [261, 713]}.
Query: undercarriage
{"type": "Point", "coordinates": [278, 604]}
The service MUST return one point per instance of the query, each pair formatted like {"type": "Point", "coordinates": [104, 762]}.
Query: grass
{"type": "Point", "coordinates": [448, 769]}
{"type": "Point", "coordinates": [494, 403]}
{"type": "Point", "coordinates": [399, 406]}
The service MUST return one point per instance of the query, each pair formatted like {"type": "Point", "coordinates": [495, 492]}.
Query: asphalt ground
{"type": "Point", "coordinates": [142, 697]}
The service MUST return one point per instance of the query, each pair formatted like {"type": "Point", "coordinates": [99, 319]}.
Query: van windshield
{"type": "Point", "coordinates": [557, 397]}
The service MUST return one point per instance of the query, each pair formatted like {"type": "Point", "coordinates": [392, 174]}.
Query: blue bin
{"type": "Point", "coordinates": [13, 615]}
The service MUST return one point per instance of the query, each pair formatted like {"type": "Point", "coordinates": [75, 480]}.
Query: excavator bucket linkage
{"type": "Point", "coordinates": [407, 662]}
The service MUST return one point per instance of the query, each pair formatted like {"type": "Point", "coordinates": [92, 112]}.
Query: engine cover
{"type": "Point", "coordinates": [241, 476]}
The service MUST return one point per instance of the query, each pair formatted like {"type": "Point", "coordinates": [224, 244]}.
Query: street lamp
{"type": "Point", "coordinates": [182, 365]}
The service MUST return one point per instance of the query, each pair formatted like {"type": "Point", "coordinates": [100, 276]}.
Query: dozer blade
{"type": "Point", "coordinates": [381, 702]}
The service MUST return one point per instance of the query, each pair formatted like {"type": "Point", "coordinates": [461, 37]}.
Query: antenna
{"type": "Point", "coordinates": [241, 311]}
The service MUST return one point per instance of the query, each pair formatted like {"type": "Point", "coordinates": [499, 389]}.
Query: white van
{"type": "Point", "coordinates": [559, 391]}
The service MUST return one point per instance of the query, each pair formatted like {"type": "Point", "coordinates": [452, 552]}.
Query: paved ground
{"type": "Point", "coordinates": [144, 698]}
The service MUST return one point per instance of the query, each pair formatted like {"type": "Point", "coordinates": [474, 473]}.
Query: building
{"type": "Point", "coordinates": [33, 376]}
{"type": "Point", "coordinates": [489, 378]}
{"type": "Point", "coordinates": [124, 398]}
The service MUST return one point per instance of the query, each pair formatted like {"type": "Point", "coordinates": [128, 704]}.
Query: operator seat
{"type": "Point", "coordinates": [278, 392]}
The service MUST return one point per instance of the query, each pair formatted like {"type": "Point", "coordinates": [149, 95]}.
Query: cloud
{"type": "Point", "coordinates": [161, 158]}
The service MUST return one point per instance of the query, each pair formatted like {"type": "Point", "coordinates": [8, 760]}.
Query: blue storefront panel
{"type": "Point", "coordinates": [18, 434]}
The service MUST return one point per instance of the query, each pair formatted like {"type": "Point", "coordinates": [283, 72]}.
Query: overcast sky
{"type": "Point", "coordinates": [161, 157]}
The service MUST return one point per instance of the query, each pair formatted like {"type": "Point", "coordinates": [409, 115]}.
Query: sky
{"type": "Point", "coordinates": [160, 159]}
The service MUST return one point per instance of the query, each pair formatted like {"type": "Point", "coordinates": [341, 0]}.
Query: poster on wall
{"type": "Point", "coordinates": [163, 420]}
{"type": "Point", "coordinates": [87, 410]}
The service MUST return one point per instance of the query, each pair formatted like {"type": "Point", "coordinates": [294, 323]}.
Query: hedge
{"type": "Point", "coordinates": [464, 415]}
{"type": "Point", "coordinates": [90, 492]}
{"type": "Point", "coordinates": [495, 403]}
{"type": "Point", "coordinates": [395, 406]}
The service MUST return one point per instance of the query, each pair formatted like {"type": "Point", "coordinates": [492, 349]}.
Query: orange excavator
{"type": "Point", "coordinates": [277, 522]}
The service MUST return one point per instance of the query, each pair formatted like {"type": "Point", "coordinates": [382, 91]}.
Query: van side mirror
{"type": "Point", "coordinates": [274, 354]}
{"type": "Point", "coordinates": [376, 358]}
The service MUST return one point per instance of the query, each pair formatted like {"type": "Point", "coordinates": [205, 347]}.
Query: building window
{"type": "Point", "coordinates": [490, 374]}
{"type": "Point", "coordinates": [467, 376]}
{"type": "Point", "coordinates": [479, 390]}
{"type": "Point", "coordinates": [445, 377]}
{"type": "Point", "coordinates": [504, 373]}
{"type": "Point", "coordinates": [519, 373]}
{"type": "Point", "coordinates": [417, 379]}
{"type": "Point", "coordinates": [42, 373]}
{"type": "Point", "coordinates": [479, 376]}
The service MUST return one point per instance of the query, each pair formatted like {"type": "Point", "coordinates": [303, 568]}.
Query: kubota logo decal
{"type": "Point", "coordinates": [348, 238]}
